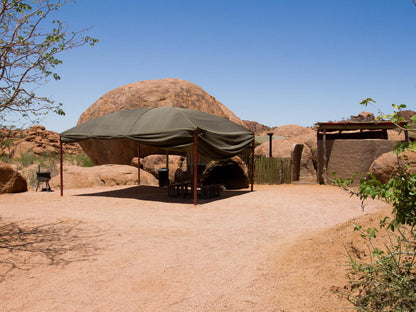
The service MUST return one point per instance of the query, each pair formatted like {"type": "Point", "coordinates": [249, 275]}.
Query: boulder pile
{"type": "Point", "coordinates": [36, 140]}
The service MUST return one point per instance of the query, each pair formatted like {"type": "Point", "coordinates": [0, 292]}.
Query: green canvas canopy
{"type": "Point", "coordinates": [170, 128]}
{"type": "Point", "coordinates": [167, 127]}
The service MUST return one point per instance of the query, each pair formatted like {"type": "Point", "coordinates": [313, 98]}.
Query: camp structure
{"type": "Point", "coordinates": [172, 129]}
{"type": "Point", "coordinates": [348, 148]}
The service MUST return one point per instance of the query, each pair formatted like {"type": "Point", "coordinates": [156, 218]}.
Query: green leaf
{"type": "Point", "coordinates": [367, 101]}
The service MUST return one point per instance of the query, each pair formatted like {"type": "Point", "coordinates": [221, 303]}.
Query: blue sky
{"type": "Point", "coordinates": [273, 61]}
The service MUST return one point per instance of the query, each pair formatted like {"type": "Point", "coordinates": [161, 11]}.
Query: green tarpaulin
{"type": "Point", "coordinates": [167, 127]}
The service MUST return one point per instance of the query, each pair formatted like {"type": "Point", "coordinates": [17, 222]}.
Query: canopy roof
{"type": "Point", "coordinates": [167, 127]}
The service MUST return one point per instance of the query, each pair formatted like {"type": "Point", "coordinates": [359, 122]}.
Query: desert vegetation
{"type": "Point", "coordinates": [29, 163]}
{"type": "Point", "coordinates": [387, 280]}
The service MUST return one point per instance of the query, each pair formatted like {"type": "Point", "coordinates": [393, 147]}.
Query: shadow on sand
{"type": "Point", "coordinates": [26, 247]}
{"type": "Point", "coordinates": [155, 193]}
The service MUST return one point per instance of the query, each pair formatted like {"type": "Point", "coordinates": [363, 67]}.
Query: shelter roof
{"type": "Point", "coordinates": [167, 127]}
{"type": "Point", "coordinates": [354, 126]}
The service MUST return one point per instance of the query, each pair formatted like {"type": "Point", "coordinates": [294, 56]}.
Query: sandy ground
{"type": "Point", "coordinates": [136, 249]}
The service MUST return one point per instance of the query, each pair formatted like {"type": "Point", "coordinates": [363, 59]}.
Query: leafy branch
{"type": "Point", "coordinates": [29, 54]}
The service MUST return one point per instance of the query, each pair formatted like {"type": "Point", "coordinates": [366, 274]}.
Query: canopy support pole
{"type": "Point", "coordinates": [138, 164]}
{"type": "Point", "coordinates": [61, 164]}
{"type": "Point", "coordinates": [195, 167]}
{"type": "Point", "coordinates": [252, 165]}
{"type": "Point", "coordinates": [325, 158]}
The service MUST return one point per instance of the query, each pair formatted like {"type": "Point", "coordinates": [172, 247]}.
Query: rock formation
{"type": "Point", "coordinates": [152, 163]}
{"type": "Point", "coordinates": [363, 117]}
{"type": "Point", "coordinates": [232, 173]}
{"type": "Point", "coordinates": [290, 131]}
{"type": "Point", "coordinates": [256, 127]}
{"type": "Point", "coordinates": [105, 175]}
{"type": "Point", "coordinates": [11, 181]}
{"type": "Point", "coordinates": [385, 166]}
{"type": "Point", "coordinates": [150, 93]}
{"type": "Point", "coordinates": [36, 140]}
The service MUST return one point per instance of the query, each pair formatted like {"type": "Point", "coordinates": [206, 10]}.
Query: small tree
{"type": "Point", "coordinates": [30, 43]}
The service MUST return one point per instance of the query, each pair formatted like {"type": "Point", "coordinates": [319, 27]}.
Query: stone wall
{"type": "Point", "coordinates": [347, 157]}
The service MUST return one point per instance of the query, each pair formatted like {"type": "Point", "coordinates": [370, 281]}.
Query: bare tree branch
{"type": "Point", "coordinates": [28, 54]}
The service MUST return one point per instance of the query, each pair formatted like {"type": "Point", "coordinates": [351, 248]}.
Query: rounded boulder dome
{"type": "Point", "coordinates": [149, 93]}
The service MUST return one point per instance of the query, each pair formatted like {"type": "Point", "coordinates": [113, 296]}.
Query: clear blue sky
{"type": "Point", "coordinates": [273, 61]}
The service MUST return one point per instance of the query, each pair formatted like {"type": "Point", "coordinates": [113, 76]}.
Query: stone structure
{"type": "Point", "coordinates": [349, 157]}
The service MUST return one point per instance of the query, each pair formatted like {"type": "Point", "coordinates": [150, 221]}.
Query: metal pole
{"type": "Point", "coordinates": [61, 167]}
{"type": "Point", "coordinates": [270, 134]}
{"type": "Point", "coordinates": [195, 167]}
{"type": "Point", "coordinates": [138, 164]}
{"type": "Point", "coordinates": [252, 165]}
{"type": "Point", "coordinates": [325, 157]}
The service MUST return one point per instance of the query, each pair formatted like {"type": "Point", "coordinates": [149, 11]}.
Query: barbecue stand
{"type": "Point", "coordinates": [43, 177]}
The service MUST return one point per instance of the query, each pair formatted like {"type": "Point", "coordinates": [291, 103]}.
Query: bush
{"type": "Point", "coordinates": [388, 281]}
{"type": "Point", "coordinates": [81, 160]}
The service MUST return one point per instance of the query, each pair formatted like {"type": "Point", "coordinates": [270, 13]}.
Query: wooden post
{"type": "Point", "coordinates": [252, 164]}
{"type": "Point", "coordinates": [61, 162]}
{"type": "Point", "coordinates": [195, 167]}
{"type": "Point", "coordinates": [138, 165]}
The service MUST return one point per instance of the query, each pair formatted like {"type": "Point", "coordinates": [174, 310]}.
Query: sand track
{"type": "Point", "coordinates": [130, 249]}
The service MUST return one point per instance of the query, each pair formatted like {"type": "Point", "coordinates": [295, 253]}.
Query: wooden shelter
{"type": "Point", "coordinates": [375, 132]}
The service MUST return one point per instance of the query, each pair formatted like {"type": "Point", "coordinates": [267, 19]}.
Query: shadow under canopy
{"type": "Point", "coordinates": [173, 129]}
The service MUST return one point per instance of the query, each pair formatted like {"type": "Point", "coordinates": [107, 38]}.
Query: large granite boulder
{"type": "Point", "coordinates": [150, 93]}
{"type": "Point", "coordinates": [290, 131]}
{"type": "Point", "coordinates": [105, 175]}
{"type": "Point", "coordinates": [386, 165]}
{"type": "Point", "coordinates": [232, 173]}
{"type": "Point", "coordinates": [11, 181]}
